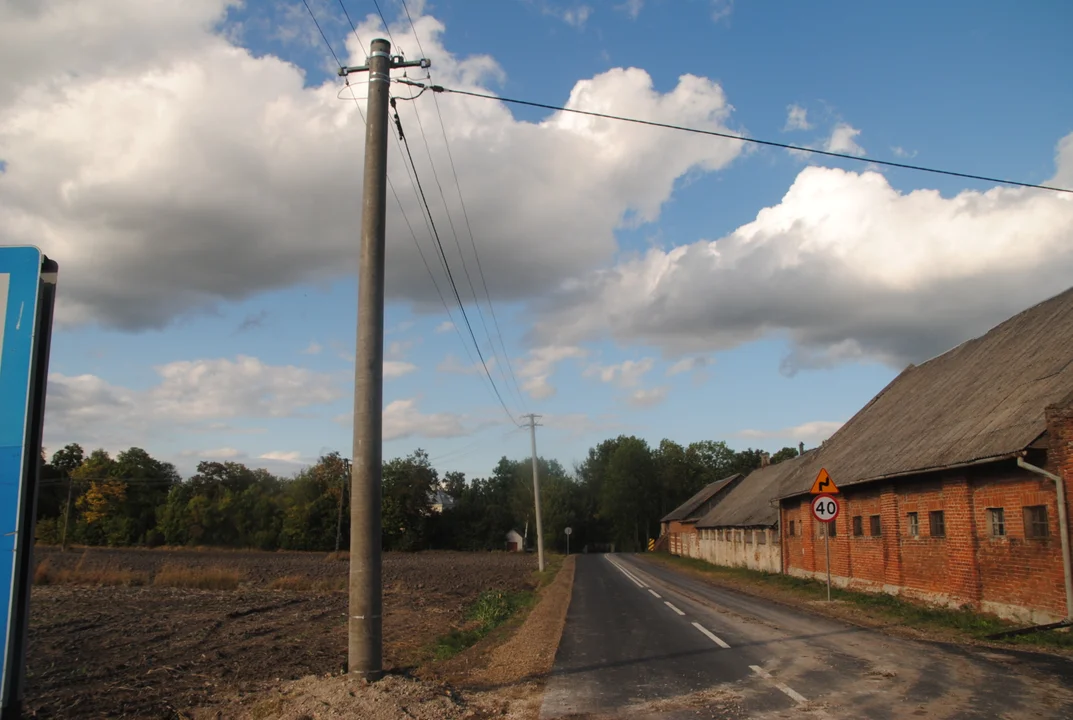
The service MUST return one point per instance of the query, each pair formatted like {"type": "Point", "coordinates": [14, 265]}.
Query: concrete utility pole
{"type": "Point", "coordinates": [536, 491]}
{"type": "Point", "coordinates": [365, 635]}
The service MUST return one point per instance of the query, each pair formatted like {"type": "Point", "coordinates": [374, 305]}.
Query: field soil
{"type": "Point", "coordinates": [502, 676]}
{"type": "Point", "coordinates": [147, 651]}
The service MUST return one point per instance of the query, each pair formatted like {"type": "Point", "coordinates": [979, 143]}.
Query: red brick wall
{"type": "Point", "coordinates": [793, 549]}
{"type": "Point", "coordinates": [865, 553]}
{"type": "Point", "coordinates": [1011, 576]}
{"type": "Point", "coordinates": [1016, 570]}
{"type": "Point", "coordinates": [680, 533]}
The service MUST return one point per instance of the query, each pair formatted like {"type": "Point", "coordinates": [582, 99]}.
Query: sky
{"type": "Point", "coordinates": [196, 170]}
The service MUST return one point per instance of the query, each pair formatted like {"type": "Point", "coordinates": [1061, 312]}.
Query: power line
{"type": "Point", "coordinates": [391, 185]}
{"type": "Point", "coordinates": [450, 276]}
{"type": "Point", "coordinates": [460, 452]}
{"type": "Point", "coordinates": [321, 30]}
{"type": "Point", "coordinates": [469, 227]}
{"type": "Point", "coordinates": [743, 138]}
{"type": "Point", "coordinates": [386, 26]}
{"type": "Point", "coordinates": [360, 45]}
{"type": "Point", "coordinates": [458, 244]}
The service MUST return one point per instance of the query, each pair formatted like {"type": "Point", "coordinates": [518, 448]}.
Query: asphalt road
{"type": "Point", "coordinates": [644, 641]}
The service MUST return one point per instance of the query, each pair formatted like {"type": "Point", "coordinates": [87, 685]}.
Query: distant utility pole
{"type": "Point", "coordinates": [365, 632]}
{"type": "Point", "coordinates": [536, 491]}
{"type": "Point", "coordinates": [342, 492]}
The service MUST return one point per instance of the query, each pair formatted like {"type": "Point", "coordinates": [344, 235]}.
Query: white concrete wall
{"type": "Point", "coordinates": [735, 547]}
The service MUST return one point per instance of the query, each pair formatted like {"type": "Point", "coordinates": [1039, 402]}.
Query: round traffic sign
{"type": "Point", "coordinates": [569, 531]}
{"type": "Point", "coordinates": [825, 508]}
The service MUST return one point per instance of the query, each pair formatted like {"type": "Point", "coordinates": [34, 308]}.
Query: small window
{"type": "Point", "coordinates": [858, 528]}
{"type": "Point", "coordinates": [1036, 522]}
{"type": "Point", "coordinates": [832, 528]}
{"type": "Point", "coordinates": [938, 523]}
{"type": "Point", "coordinates": [748, 537]}
{"type": "Point", "coordinates": [790, 530]}
{"type": "Point", "coordinates": [875, 528]}
{"type": "Point", "coordinates": [912, 524]}
{"type": "Point", "coordinates": [996, 518]}
{"type": "Point", "coordinates": [761, 537]}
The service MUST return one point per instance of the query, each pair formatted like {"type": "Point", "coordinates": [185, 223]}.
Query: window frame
{"type": "Point", "coordinates": [912, 524]}
{"type": "Point", "coordinates": [932, 516]}
{"type": "Point", "coordinates": [858, 526]}
{"type": "Point", "coordinates": [996, 518]}
{"type": "Point", "coordinates": [1029, 523]}
{"type": "Point", "coordinates": [875, 526]}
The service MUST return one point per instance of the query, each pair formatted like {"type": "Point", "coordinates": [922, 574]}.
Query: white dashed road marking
{"type": "Point", "coordinates": [654, 593]}
{"type": "Point", "coordinates": [714, 638]}
{"type": "Point", "coordinates": [793, 694]}
{"type": "Point", "coordinates": [672, 607]}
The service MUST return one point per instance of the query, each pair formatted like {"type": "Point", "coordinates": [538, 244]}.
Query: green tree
{"type": "Point", "coordinates": [629, 496]}
{"type": "Point", "coordinates": [785, 454]}
{"type": "Point", "coordinates": [408, 485]}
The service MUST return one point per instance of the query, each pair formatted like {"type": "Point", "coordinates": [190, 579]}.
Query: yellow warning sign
{"type": "Point", "coordinates": [651, 544]}
{"type": "Point", "coordinates": [823, 484]}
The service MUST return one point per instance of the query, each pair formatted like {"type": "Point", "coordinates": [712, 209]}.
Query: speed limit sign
{"type": "Point", "coordinates": [825, 508]}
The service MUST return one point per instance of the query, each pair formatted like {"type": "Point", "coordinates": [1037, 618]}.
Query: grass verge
{"type": "Point", "coordinates": [201, 578]}
{"type": "Point", "coordinates": [45, 574]}
{"type": "Point", "coordinates": [875, 608]}
{"type": "Point", "coordinates": [495, 608]}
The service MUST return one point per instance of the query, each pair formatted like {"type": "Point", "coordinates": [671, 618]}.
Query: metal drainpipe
{"type": "Point", "coordinates": [1063, 526]}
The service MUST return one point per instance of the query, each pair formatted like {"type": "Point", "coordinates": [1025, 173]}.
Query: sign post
{"type": "Point", "coordinates": [27, 295]}
{"type": "Point", "coordinates": [825, 508]}
{"type": "Point", "coordinates": [569, 532]}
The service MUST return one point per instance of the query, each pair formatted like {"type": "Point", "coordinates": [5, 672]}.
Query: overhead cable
{"type": "Point", "coordinates": [744, 138]}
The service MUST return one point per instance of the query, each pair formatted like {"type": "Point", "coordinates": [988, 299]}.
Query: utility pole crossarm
{"type": "Point", "coordinates": [396, 62]}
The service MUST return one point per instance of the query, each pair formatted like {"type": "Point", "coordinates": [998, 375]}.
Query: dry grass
{"type": "Point", "coordinates": [302, 583]}
{"type": "Point", "coordinates": [340, 556]}
{"type": "Point", "coordinates": [45, 574]}
{"type": "Point", "coordinates": [202, 578]}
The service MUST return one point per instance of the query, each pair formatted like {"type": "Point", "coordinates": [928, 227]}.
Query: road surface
{"type": "Point", "coordinates": [644, 641]}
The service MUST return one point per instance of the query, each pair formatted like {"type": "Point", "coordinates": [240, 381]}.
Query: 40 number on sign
{"type": "Point", "coordinates": [825, 508]}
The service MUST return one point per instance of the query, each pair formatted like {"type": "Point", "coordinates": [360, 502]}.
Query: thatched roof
{"type": "Point", "coordinates": [982, 401]}
{"type": "Point", "coordinates": [685, 510]}
{"type": "Point", "coordinates": [753, 502]}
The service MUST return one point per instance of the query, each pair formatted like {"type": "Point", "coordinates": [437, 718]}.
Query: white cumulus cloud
{"type": "Point", "coordinates": [536, 369]}
{"type": "Point", "coordinates": [842, 140]}
{"type": "Point", "coordinates": [845, 266]}
{"type": "Point", "coordinates": [402, 418]}
{"type": "Point", "coordinates": [796, 119]}
{"type": "Point", "coordinates": [626, 374]}
{"type": "Point", "coordinates": [189, 394]}
{"type": "Point", "coordinates": [648, 397]}
{"type": "Point", "coordinates": [810, 432]}
{"type": "Point", "coordinates": [145, 144]}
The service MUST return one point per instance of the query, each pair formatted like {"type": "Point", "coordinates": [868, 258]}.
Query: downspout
{"type": "Point", "coordinates": [1063, 525]}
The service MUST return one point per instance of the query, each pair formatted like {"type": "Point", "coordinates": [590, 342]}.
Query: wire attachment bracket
{"type": "Point", "coordinates": [397, 61]}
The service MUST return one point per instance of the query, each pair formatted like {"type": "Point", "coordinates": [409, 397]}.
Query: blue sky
{"type": "Point", "coordinates": [206, 214]}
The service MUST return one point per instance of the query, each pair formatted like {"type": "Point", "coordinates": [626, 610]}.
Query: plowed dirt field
{"type": "Point", "coordinates": [146, 651]}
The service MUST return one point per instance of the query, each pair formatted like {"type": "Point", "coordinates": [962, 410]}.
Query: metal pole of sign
{"type": "Point", "coordinates": [15, 663]}
{"type": "Point", "coordinates": [827, 549]}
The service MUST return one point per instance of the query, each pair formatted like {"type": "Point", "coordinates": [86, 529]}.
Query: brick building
{"type": "Point", "coordinates": [742, 530]}
{"type": "Point", "coordinates": [937, 501]}
{"type": "Point", "coordinates": [678, 532]}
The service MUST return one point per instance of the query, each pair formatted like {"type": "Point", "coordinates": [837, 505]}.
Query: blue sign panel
{"type": "Point", "coordinates": [20, 272]}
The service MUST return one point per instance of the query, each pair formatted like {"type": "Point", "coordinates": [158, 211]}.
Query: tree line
{"type": "Point", "coordinates": [616, 495]}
